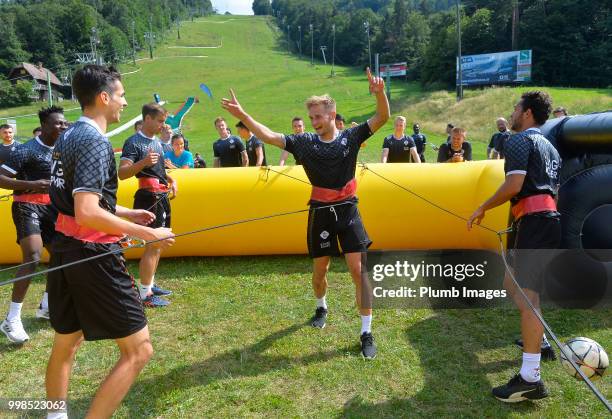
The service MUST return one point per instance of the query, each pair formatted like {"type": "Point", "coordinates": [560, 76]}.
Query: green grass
{"type": "Point", "coordinates": [235, 342]}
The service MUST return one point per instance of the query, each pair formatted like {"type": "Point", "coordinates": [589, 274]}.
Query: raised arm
{"type": "Point", "coordinates": [383, 113]}
{"type": "Point", "coordinates": [261, 131]}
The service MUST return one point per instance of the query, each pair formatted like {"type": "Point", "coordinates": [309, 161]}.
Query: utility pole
{"type": "Point", "coordinates": [515, 23]}
{"type": "Point", "coordinates": [366, 25]}
{"type": "Point", "coordinates": [94, 40]}
{"type": "Point", "coordinates": [149, 36]}
{"type": "Point", "coordinates": [300, 32]}
{"type": "Point", "coordinates": [288, 38]}
{"type": "Point", "coordinates": [134, 42]}
{"type": "Point", "coordinates": [333, 49]}
{"type": "Point", "coordinates": [311, 47]}
{"type": "Point", "coordinates": [460, 87]}
{"type": "Point", "coordinates": [323, 49]}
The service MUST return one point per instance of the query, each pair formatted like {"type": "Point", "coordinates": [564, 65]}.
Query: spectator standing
{"type": "Point", "coordinates": [420, 140]}
{"type": "Point", "coordinates": [228, 150]}
{"type": "Point", "coordinates": [178, 158]}
{"type": "Point", "coordinates": [255, 148]}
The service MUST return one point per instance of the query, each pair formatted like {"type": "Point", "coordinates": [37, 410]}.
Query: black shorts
{"type": "Point", "coordinates": [157, 203]}
{"type": "Point", "coordinates": [536, 238]}
{"type": "Point", "coordinates": [340, 224]}
{"type": "Point", "coordinates": [32, 219]}
{"type": "Point", "coordinates": [97, 297]}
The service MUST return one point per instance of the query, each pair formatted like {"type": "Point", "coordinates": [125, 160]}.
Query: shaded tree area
{"type": "Point", "coordinates": [571, 39]}
{"type": "Point", "coordinates": [54, 31]}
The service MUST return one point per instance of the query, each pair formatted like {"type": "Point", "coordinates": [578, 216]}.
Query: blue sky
{"type": "Point", "coordinates": [235, 7]}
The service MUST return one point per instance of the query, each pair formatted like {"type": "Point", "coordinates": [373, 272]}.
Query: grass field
{"type": "Point", "coordinates": [236, 343]}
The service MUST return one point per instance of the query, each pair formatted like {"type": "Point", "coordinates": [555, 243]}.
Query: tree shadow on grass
{"type": "Point", "coordinates": [454, 378]}
{"type": "Point", "coordinates": [249, 361]}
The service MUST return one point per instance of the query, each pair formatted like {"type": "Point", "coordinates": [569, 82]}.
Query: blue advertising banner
{"type": "Point", "coordinates": [495, 68]}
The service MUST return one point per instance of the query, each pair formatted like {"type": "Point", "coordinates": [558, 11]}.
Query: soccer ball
{"type": "Point", "coordinates": [588, 355]}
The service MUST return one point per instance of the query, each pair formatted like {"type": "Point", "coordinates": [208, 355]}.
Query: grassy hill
{"type": "Point", "coordinates": [272, 85]}
{"type": "Point", "coordinates": [235, 342]}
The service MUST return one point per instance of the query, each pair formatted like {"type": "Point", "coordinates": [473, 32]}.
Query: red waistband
{"type": "Point", "coordinates": [332, 195]}
{"type": "Point", "coordinates": [151, 184]}
{"type": "Point", "coordinates": [533, 204]}
{"type": "Point", "coordinates": [33, 198]}
{"type": "Point", "coordinates": [68, 226]}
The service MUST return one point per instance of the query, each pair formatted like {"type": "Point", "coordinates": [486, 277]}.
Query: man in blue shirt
{"type": "Point", "coordinates": [178, 158]}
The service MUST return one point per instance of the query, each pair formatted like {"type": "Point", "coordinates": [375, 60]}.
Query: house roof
{"type": "Point", "coordinates": [39, 73]}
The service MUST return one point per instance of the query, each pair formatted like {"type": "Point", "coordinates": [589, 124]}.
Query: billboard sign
{"type": "Point", "coordinates": [495, 68]}
{"type": "Point", "coordinates": [396, 69]}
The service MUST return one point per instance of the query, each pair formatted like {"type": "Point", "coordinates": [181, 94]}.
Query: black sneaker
{"type": "Point", "coordinates": [368, 349]}
{"type": "Point", "coordinates": [319, 318]}
{"type": "Point", "coordinates": [517, 390]}
{"type": "Point", "coordinates": [547, 351]}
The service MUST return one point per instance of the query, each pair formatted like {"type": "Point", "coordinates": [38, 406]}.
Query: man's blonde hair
{"type": "Point", "coordinates": [400, 118]}
{"type": "Point", "coordinates": [459, 130]}
{"type": "Point", "coordinates": [326, 100]}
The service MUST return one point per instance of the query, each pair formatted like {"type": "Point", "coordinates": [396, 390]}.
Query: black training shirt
{"type": "Point", "coordinates": [446, 152]}
{"type": "Point", "coordinates": [137, 147]}
{"type": "Point", "coordinates": [251, 146]}
{"type": "Point", "coordinates": [531, 154]}
{"type": "Point", "coordinates": [228, 151]}
{"type": "Point", "coordinates": [329, 164]}
{"type": "Point", "coordinates": [399, 148]}
{"type": "Point", "coordinates": [83, 160]}
{"type": "Point", "coordinates": [30, 161]}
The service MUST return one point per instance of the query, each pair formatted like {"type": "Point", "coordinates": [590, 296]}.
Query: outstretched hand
{"type": "Point", "coordinates": [377, 84]}
{"type": "Point", "coordinates": [232, 105]}
{"type": "Point", "coordinates": [475, 218]}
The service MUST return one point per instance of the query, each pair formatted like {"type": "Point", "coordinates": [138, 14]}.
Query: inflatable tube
{"type": "Point", "coordinates": [581, 133]}
{"type": "Point", "coordinates": [394, 218]}
{"type": "Point", "coordinates": [585, 197]}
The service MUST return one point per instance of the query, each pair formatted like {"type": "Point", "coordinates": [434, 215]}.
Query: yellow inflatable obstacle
{"type": "Point", "coordinates": [393, 217]}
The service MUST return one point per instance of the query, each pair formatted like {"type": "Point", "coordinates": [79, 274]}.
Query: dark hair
{"type": "Point", "coordinates": [240, 124]}
{"type": "Point", "coordinates": [177, 136]}
{"type": "Point", "coordinates": [540, 104]}
{"type": "Point", "coordinates": [339, 117]}
{"type": "Point", "coordinates": [153, 109]}
{"type": "Point", "coordinates": [449, 125]}
{"type": "Point", "coordinates": [92, 80]}
{"type": "Point", "coordinates": [36, 129]}
{"type": "Point", "coordinates": [296, 118]}
{"type": "Point", "coordinates": [5, 126]}
{"type": "Point", "coordinates": [44, 113]}
{"type": "Point", "coordinates": [139, 122]}
{"type": "Point", "coordinates": [560, 109]}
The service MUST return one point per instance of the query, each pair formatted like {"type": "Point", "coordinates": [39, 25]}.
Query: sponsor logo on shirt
{"type": "Point", "coordinates": [325, 244]}
{"type": "Point", "coordinates": [57, 173]}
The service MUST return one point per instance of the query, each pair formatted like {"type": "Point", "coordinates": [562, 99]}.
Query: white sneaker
{"type": "Point", "coordinates": [42, 313]}
{"type": "Point", "coordinates": [14, 331]}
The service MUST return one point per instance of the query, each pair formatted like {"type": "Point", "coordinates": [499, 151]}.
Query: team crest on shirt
{"type": "Point", "coordinates": [405, 142]}
{"type": "Point", "coordinates": [324, 234]}
{"type": "Point", "coordinates": [343, 142]}
{"type": "Point", "coordinates": [34, 215]}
